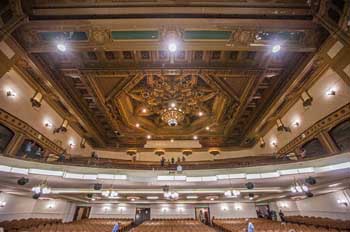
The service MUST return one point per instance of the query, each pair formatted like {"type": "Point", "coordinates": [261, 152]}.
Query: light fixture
{"type": "Point", "coordinates": [71, 144]}
{"type": "Point", "coordinates": [238, 207]}
{"type": "Point", "coordinates": [2, 204]}
{"type": "Point", "coordinates": [307, 99]}
{"type": "Point", "coordinates": [251, 196]}
{"type": "Point", "coordinates": [137, 125]}
{"type": "Point", "coordinates": [214, 152]}
{"type": "Point", "coordinates": [207, 128]}
{"type": "Point", "coordinates": [109, 193]}
{"type": "Point", "coordinates": [62, 128]}
{"type": "Point", "coordinates": [43, 188]}
{"type": "Point", "coordinates": [10, 93]}
{"type": "Point", "coordinates": [36, 100]}
{"type": "Point", "coordinates": [195, 137]}
{"type": "Point", "coordinates": [274, 143]}
{"type": "Point", "coordinates": [48, 124]}
{"type": "Point", "coordinates": [276, 48]}
{"type": "Point", "coordinates": [152, 197]}
{"type": "Point", "coordinates": [296, 123]}
{"type": "Point", "coordinates": [171, 140]}
{"type": "Point", "coordinates": [149, 137]}
{"type": "Point", "coordinates": [170, 195]}
{"type": "Point", "coordinates": [331, 92]}
{"type": "Point", "coordinates": [299, 187]}
{"type": "Point", "coordinates": [93, 199]}
{"type": "Point", "coordinates": [144, 110]}
{"type": "Point", "coordinates": [343, 202]}
{"type": "Point", "coordinates": [172, 47]}
{"type": "Point", "coordinates": [192, 197]}
{"type": "Point", "coordinates": [262, 142]}
{"type": "Point", "coordinates": [281, 126]}
{"type": "Point", "coordinates": [172, 115]}
{"type": "Point", "coordinates": [232, 193]}
{"type": "Point", "coordinates": [200, 113]}
{"type": "Point", "coordinates": [159, 152]}
{"type": "Point", "coordinates": [212, 199]}
{"type": "Point", "coordinates": [61, 47]}
{"type": "Point", "coordinates": [82, 143]}
{"type": "Point", "coordinates": [50, 205]}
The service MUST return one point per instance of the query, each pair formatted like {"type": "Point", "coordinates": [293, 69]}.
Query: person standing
{"type": "Point", "coordinates": [250, 227]}
{"type": "Point", "coordinates": [282, 216]}
{"type": "Point", "coordinates": [116, 227]}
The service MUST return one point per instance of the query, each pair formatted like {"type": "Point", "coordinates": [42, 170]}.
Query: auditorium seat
{"type": "Point", "coordinates": [173, 225]}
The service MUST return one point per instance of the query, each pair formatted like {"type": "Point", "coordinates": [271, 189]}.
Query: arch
{"type": "Point", "coordinates": [6, 135]}
{"type": "Point", "coordinates": [313, 148]}
{"type": "Point", "coordinates": [341, 135]}
{"type": "Point", "coordinates": [30, 149]}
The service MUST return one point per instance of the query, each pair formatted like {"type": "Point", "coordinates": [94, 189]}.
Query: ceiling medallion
{"type": "Point", "coordinates": [172, 116]}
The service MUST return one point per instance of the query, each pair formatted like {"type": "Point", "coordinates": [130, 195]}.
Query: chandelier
{"type": "Point", "coordinates": [42, 189]}
{"type": "Point", "coordinates": [232, 193]}
{"type": "Point", "coordinates": [298, 187]}
{"type": "Point", "coordinates": [109, 193]}
{"type": "Point", "coordinates": [170, 195]}
{"type": "Point", "coordinates": [172, 116]}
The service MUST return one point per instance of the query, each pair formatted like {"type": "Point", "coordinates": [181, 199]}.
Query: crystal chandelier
{"type": "Point", "coordinates": [232, 193]}
{"type": "Point", "coordinates": [42, 189]}
{"type": "Point", "coordinates": [109, 193]}
{"type": "Point", "coordinates": [172, 116]}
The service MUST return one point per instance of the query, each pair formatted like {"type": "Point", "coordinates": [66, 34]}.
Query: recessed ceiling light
{"type": "Point", "coordinates": [212, 199]}
{"type": "Point", "coordinates": [195, 137]}
{"type": "Point", "coordinates": [200, 113]}
{"type": "Point", "coordinates": [207, 128]}
{"type": "Point", "coordinates": [172, 47]}
{"type": "Point", "coordinates": [173, 104]}
{"type": "Point", "coordinates": [149, 136]}
{"type": "Point", "coordinates": [171, 140]}
{"type": "Point", "coordinates": [61, 47]}
{"type": "Point", "coordinates": [132, 199]}
{"type": "Point", "coordinates": [144, 110]}
{"type": "Point", "coordinates": [137, 125]}
{"type": "Point", "coordinates": [276, 48]}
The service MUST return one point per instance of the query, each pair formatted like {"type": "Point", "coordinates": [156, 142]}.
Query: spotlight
{"type": "Point", "coordinates": [262, 142]}
{"type": "Point", "coordinates": [307, 99]}
{"type": "Point", "coordinates": [97, 187]}
{"type": "Point", "coordinates": [22, 181]}
{"type": "Point", "coordinates": [172, 47]}
{"type": "Point", "coordinates": [61, 47]}
{"type": "Point", "coordinates": [249, 185]}
{"type": "Point", "coordinates": [276, 48]}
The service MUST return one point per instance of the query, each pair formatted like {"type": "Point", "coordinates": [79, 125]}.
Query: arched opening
{"type": "Point", "coordinates": [30, 149]}
{"type": "Point", "coordinates": [6, 136]}
{"type": "Point", "coordinates": [341, 135]}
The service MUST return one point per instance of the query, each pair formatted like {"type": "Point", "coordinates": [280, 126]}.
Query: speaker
{"type": "Point", "coordinates": [97, 186]}
{"type": "Point", "coordinates": [22, 181]}
{"type": "Point", "coordinates": [310, 180]}
{"type": "Point", "coordinates": [249, 185]}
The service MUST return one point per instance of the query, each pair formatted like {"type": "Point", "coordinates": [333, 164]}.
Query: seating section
{"type": "Point", "coordinates": [173, 225]}
{"type": "Point", "coordinates": [318, 221]}
{"type": "Point", "coordinates": [86, 225]}
{"type": "Point", "coordinates": [22, 224]}
{"type": "Point", "coordinates": [263, 225]}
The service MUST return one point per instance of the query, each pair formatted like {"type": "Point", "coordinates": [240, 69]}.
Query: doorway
{"type": "Point", "coordinates": [81, 212]}
{"type": "Point", "coordinates": [142, 214]}
{"type": "Point", "coordinates": [203, 215]}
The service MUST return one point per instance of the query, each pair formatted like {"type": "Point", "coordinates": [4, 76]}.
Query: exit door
{"type": "Point", "coordinates": [142, 214]}
{"type": "Point", "coordinates": [81, 212]}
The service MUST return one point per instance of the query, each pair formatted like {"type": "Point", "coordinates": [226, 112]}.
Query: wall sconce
{"type": "Point", "coordinates": [187, 152]}
{"type": "Point", "coordinates": [307, 99]}
{"type": "Point", "coordinates": [50, 206]}
{"type": "Point", "coordinates": [2, 204]}
{"type": "Point", "coordinates": [238, 207]}
{"type": "Point", "coordinates": [82, 143]}
{"type": "Point", "coordinates": [262, 142]}
{"type": "Point", "coordinates": [284, 205]}
{"type": "Point", "coordinates": [159, 152]}
{"type": "Point", "coordinates": [331, 92]}
{"type": "Point", "coordinates": [62, 128]}
{"type": "Point", "coordinates": [274, 143]}
{"type": "Point", "coordinates": [343, 202]}
{"type": "Point", "coordinates": [214, 152]}
{"type": "Point", "coordinates": [281, 126]}
{"type": "Point", "coordinates": [296, 123]}
{"type": "Point", "coordinates": [131, 152]}
{"type": "Point", "coordinates": [10, 93]}
{"type": "Point", "coordinates": [71, 144]}
{"type": "Point", "coordinates": [36, 100]}
{"type": "Point", "coordinates": [48, 124]}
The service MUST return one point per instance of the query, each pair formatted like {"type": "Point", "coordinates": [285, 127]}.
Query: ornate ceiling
{"type": "Point", "coordinates": [123, 83]}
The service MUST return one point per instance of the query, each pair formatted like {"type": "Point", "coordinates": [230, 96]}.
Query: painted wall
{"type": "Point", "coordinates": [320, 206]}
{"type": "Point", "coordinates": [24, 207]}
{"type": "Point", "coordinates": [219, 210]}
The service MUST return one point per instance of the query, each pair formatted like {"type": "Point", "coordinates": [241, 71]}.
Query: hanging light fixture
{"type": "Point", "coordinates": [36, 100]}
{"type": "Point", "coordinates": [43, 188]}
{"type": "Point", "coordinates": [109, 193]}
{"type": "Point", "coordinates": [232, 193]}
{"type": "Point", "coordinates": [170, 195]}
{"type": "Point", "coordinates": [299, 187]}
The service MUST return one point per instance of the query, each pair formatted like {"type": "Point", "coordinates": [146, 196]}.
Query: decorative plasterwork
{"type": "Point", "coordinates": [324, 124]}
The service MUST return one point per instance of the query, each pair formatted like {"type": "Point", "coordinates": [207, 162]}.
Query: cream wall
{"type": "Point", "coordinates": [320, 206]}
{"type": "Point", "coordinates": [24, 207]}
{"type": "Point", "coordinates": [20, 106]}
{"type": "Point", "coordinates": [172, 210]}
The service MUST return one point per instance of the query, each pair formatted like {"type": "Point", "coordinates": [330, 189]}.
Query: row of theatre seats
{"type": "Point", "coordinates": [263, 225]}
{"type": "Point", "coordinates": [318, 221]}
{"type": "Point", "coordinates": [86, 225]}
{"type": "Point", "coordinates": [21, 224]}
{"type": "Point", "coordinates": [173, 225]}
